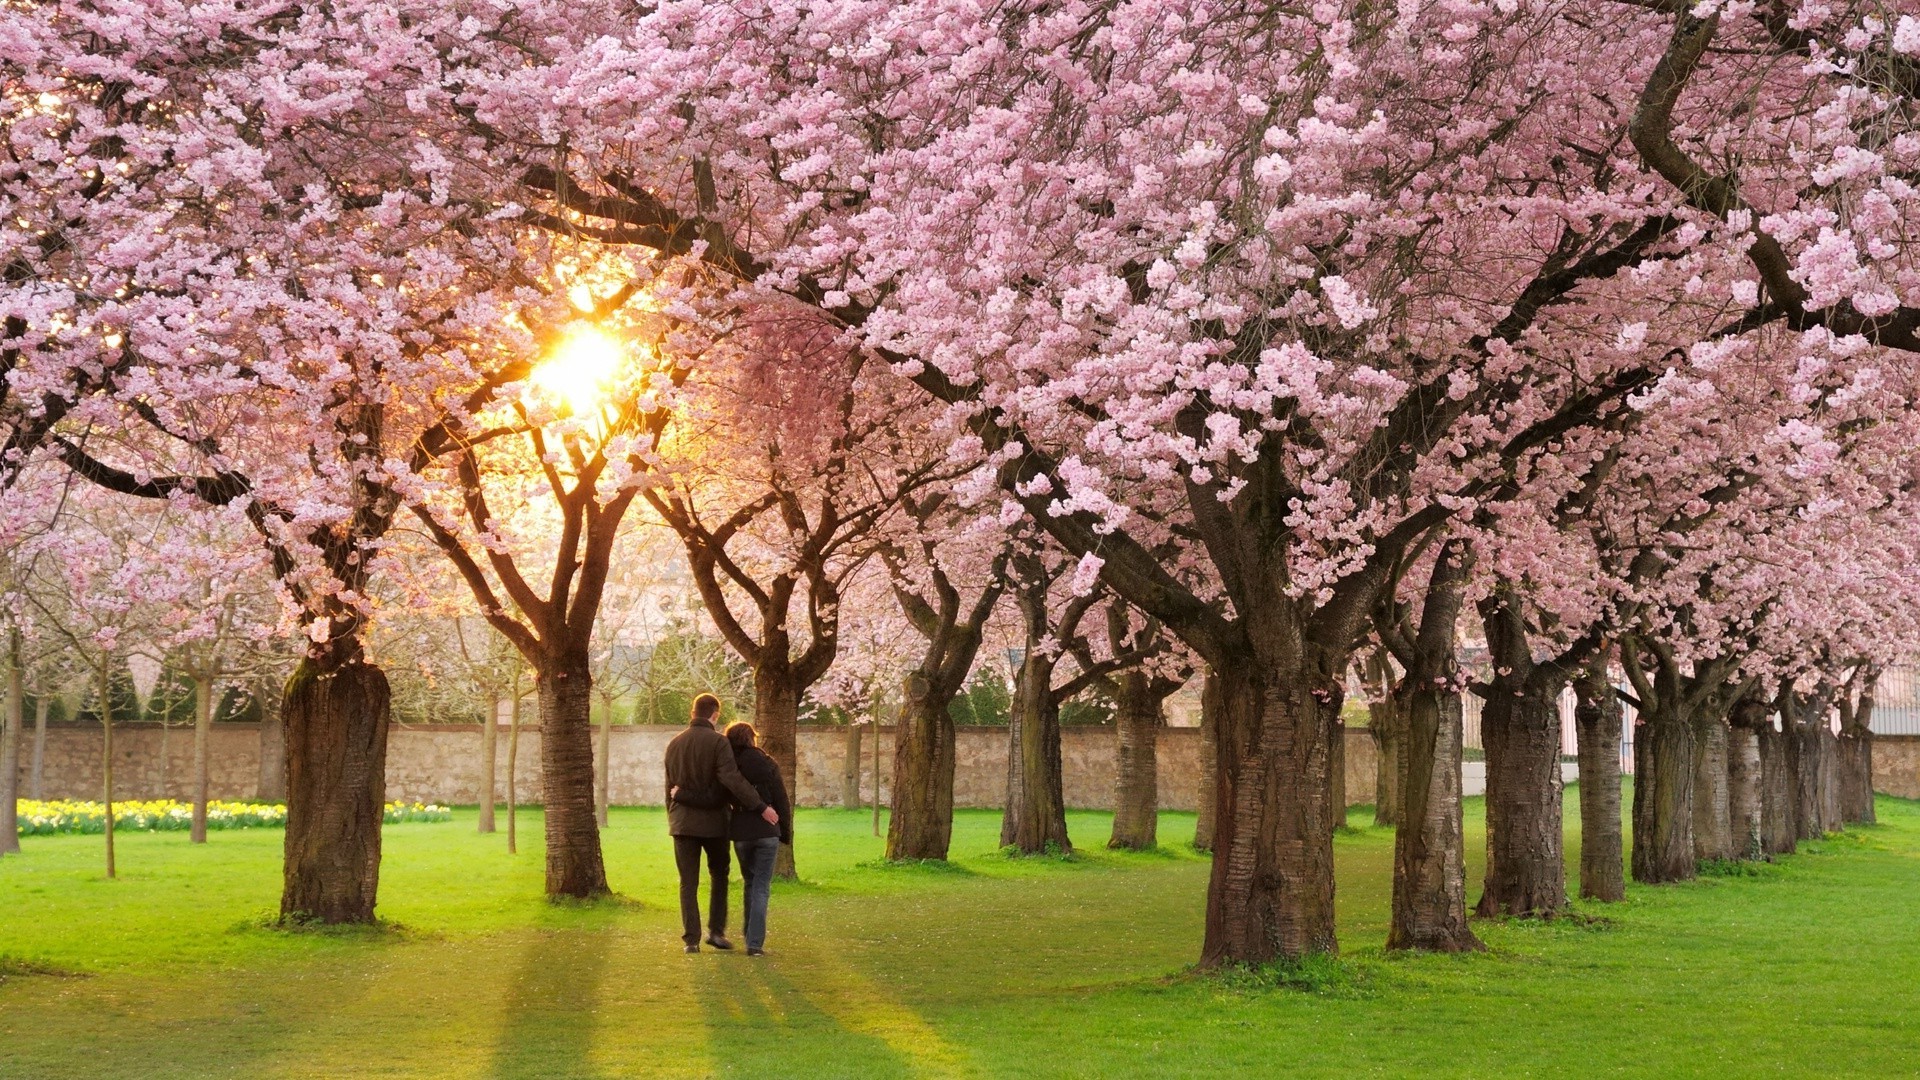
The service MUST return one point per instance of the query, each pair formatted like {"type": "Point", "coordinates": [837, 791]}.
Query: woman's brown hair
{"type": "Point", "coordinates": [741, 735]}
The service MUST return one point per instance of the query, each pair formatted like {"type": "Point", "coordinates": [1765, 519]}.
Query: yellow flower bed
{"type": "Point", "coordinates": [168, 815]}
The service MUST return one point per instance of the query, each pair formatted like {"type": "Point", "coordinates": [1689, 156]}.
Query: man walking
{"type": "Point", "coordinates": [702, 778]}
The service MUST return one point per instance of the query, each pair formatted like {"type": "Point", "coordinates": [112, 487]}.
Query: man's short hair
{"type": "Point", "coordinates": [706, 707]}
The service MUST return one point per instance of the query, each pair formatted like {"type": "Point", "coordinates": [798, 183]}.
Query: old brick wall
{"type": "Point", "coordinates": [1896, 765]}
{"type": "Point", "coordinates": [72, 766]}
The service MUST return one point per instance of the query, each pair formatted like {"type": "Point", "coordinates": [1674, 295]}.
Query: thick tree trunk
{"type": "Point", "coordinates": [1270, 896]}
{"type": "Point", "coordinates": [776, 718]}
{"type": "Point", "coordinates": [273, 747]}
{"type": "Point", "coordinates": [202, 729]}
{"type": "Point", "coordinates": [1429, 865]}
{"type": "Point", "coordinates": [1779, 816]}
{"type": "Point", "coordinates": [1832, 819]}
{"type": "Point", "coordinates": [488, 784]}
{"type": "Point", "coordinates": [1809, 769]}
{"type": "Point", "coordinates": [574, 865]}
{"type": "Point", "coordinates": [1712, 827]}
{"type": "Point", "coordinates": [923, 761]}
{"type": "Point", "coordinates": [336, 713]}
{"type": "Point", "coordinates": [1856, 774]}
{"type": "Point", "coordinates": [1136, 794]}
{"type": "Point", "coordinates": [850, 767]}
{"type": "Point", "coordinates": [1210, 796]}
{"type": "Point", "coordinates": [1597, 720]}
{"type": "Point", "coordinates": [1663, 797]}
{"type": "Point", "coordinates": [1388, 728]}
{"type": "Point", "coordinates": [37, 785]}
{"type": "Point", "coordinates": [1036, 813]}
{"type": "Point", "coordinates": [13, 716]}
{"type": "Point", "coordinates": [1744, 782]}
{"type": "Point", "coordinates": [603, 765]}
{"type": "Point", "coordinates": [1526, 861]}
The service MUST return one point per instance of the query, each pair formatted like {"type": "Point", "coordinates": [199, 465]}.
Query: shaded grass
{"type": "Point", "coordinates": [986, 966]}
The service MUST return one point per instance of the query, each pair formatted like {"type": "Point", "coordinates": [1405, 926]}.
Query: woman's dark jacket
{"type": "Point", "coordinates": [760, 771]}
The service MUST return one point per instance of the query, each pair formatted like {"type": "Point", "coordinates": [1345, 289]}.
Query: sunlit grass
{"type": "Point", "coordinates": [989, 966]}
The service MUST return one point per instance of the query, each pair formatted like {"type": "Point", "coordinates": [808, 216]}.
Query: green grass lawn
{"type": "Point", "coordinates": [987, 967]}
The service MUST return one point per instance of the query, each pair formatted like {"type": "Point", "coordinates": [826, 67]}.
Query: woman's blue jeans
{"type": "Point", "coordinates": [756, 868]}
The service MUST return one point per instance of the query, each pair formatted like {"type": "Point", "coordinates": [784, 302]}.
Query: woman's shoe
{"type": "Point", "coordinates": [751, 951]}
{"type": "Point", "coordinates": [719, 942]}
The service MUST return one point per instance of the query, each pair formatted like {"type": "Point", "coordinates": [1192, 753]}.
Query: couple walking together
{"type": "Point", "coordinates": [721, 788]}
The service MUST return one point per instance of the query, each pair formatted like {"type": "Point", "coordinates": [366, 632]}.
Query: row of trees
{"type": "Point", "coordinates": [1269, 339]}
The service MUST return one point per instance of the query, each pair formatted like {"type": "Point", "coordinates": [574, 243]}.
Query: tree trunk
{"type": "Point", "coordinates": [1270, 895]}
{"type": "Point", "coordinates": [1036, 814]}
{"type": "Point", "coordinates": [273, 748]}
{"type": "Point", "coordinates": [1388, 727]}
{"type": "Point", "coordinates": [565, 695]}
{"type": "Point", "coordinates": [38, 777]}
{"type": "Point", "coordinates": [1663, 796]}
{"type": "Point", "coordinates": [776, 718]}
{"type": "Point", "coordinates": [1744, 781]}
{"type": "Point", "coordinates": [489, 758]}
{"type": "Point", "coordinates": [923, 762]}
{"type": "Point", "coordinates": [1832, 819]}
{"type": "Point", "coordinates": [1136, 794]}
{"type": "Point", "coordinates": [850, 767]}
{"type": "Point", "coordinates": [1809, 754]}
{"type": "Point", "coordinates": [603, 765]}
{"type": "Point", "coordinates": [513, 771]}
{"type": "Point", "coordinates": [1712, 829]}
{"type": "Point", "coordinates": [336, 711]}
{"type": "Point", "coordinates": [1856, 774]}
{"type": "Point", "coordinates": [1429, 866]}
{"type": "Point", "coordinates": [1526, 861]}
{"type": "Point", "coordinates": [1597, 720]}
{"type": "Point", "coordinates": [1210, 796]}
{"type": "Point", "coordinates": [1779, 817]}
{"type": "Point", "coordinates": [1337, 804]}
{"type": "Point", "coordinates": [202, 729]}
{"type": "Point", "coordinates": [12, 716]}
{"type": "Point", "coordinates": [106, 759]}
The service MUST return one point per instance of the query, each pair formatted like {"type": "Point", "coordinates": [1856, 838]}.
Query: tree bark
{"type": "Point", "coordinates": [489, 758]}
{"type": "Point", "coordinates": [202, 729]}
{"type": "Point", "coordinates": [106, 759]}
{"type": "Point", "coordinates": [1337, 802]}
{"type": "Point", "coordinates": [1210, 796]}
{"type": "Point", "coordinates": [603, 765]}
{"type": "Point", "coordinates": [273, 747]}
{"type": "Point", "coordinates": [1712, 827]}
{"type": "Point", "coordinates": [1526, 859]}
{"type": "Point", "coordinates": [565, 696]}
{"type": "Point", "coordinates": [923, 762]}
{"type": "Point", "coordinates": [1779, 816]}
{"type": "Point", "coordinates": [1663, 796]}
{"type": "Point", "coordinates": [1856, 774]}
{"type": "Point", "coordinates": [37, 779]}
{"type": "Point", "coordinates": [1809, 768]}
{"type": "Point", "coordinates": [1136, 796]}
{"type": "Point", "coordinates": [1036, 813]}
{"type": "Point", "coordinates": [336, 710]}
{"type": "Point", "coordinates": [1597, 720]}
{"type": "Point", "coordinates": [1270, 895]}
{"type": "Point", "coordinates": [1832, 820]}
{"type": "Point", "coordinates": [1744, 782]}
{"type": "Point", "coordinates": [776, 718]}
{"type": "Point", "coordinates": [850, 767]}
{"type": "Point", "coordinates": [13, 716]}
{"type": "Point", "coordinates": [1388, 728]}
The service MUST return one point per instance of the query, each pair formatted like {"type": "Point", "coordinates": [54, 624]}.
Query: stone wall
{"type": "Point", "coordinates": [441, 763]}
{"type": "Point", "coordinates": [72, 767]}
{"type": "Point", "coordinates": [1896, 765]}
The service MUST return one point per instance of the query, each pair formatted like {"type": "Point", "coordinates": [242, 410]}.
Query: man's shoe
{"type": "Point", "coordinates": [756, 952]}
{"type": "Point", "coordinates": [694, 948]}
{"type": "Point", "coordinates": [719, 942]}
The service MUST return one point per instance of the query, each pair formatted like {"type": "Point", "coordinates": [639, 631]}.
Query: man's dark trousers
{"type": "Point", "coordinates": [686, 856]}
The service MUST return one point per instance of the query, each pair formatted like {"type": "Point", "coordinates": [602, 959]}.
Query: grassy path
{"type": "Point", "coordinates": [989, 967]}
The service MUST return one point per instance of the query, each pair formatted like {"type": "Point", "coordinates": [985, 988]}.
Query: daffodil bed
{"type": "Point", "coordinates": [167, 815]}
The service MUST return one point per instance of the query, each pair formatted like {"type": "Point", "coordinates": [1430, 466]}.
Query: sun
{"type": "Point", "coordinates": [582, 368]}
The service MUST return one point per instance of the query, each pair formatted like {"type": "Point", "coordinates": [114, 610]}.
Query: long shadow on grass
{"type": "Point", "coordinates": [553, 1004]}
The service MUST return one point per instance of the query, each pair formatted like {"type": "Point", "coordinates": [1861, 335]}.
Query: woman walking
{"type": "Point", "coordinates": [755, 840]}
